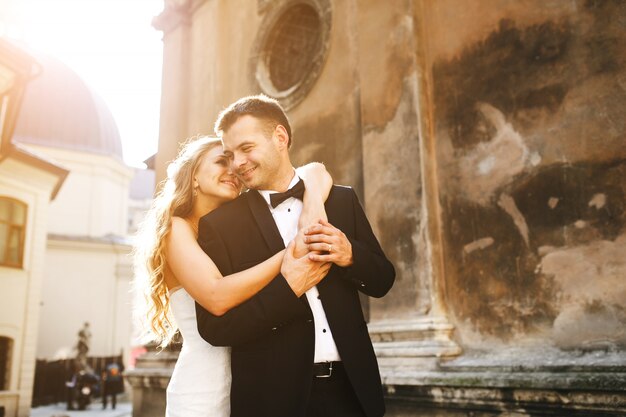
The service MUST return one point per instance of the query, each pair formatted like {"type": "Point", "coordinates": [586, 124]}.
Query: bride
{"type": "Point", "coordinates": [179, 272]}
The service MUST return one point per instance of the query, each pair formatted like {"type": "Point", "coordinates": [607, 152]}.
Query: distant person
{"type": "Point", "coordinates": [70, 391]}
{"type": "Point", "coordinates": [112, 384]}
{"type": "Point", "coordinates": [198, 181]}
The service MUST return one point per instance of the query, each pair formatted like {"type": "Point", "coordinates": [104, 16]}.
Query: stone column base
{"type": "Point", "coordinates": [149, 381]}
{"type": "Point", "coordinates": [418, 342]}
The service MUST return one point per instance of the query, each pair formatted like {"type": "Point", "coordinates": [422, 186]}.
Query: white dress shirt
{"type": "Point", "coordinates": [286, 216]}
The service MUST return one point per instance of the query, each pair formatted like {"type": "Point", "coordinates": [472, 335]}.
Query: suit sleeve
{"type": "Point", "coordinates": [371, 272]}
{"type": "Point", "coordinates": [271, 308]}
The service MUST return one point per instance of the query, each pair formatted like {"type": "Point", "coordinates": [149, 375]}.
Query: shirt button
{"type": "Point", "coordinates": [274, 328]}
{"type": "Point", "coordinates": [324, 330]}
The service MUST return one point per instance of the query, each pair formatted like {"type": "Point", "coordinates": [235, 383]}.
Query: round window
{"type": "Point", "coordinates": [290, 51]}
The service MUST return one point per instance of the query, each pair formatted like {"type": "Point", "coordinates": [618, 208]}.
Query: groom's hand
{"type": "Point", "coordinates": [328, 244]}
{"type": "Point", "coordinates": [302, 273]}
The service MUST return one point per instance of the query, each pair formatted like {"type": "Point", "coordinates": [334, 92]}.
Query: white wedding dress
{"type": "Point", "coordinates": [200, 384]}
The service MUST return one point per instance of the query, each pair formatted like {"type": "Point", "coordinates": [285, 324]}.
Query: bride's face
{"type": "Point", "coordinates": [215, 178]}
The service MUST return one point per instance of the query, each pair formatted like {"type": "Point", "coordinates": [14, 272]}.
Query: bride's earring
{"type": "Point", "coordinates": [195, 191]}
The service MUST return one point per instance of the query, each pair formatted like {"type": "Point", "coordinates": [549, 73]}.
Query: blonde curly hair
{"type": "Point", "coordinates": [175, 198]}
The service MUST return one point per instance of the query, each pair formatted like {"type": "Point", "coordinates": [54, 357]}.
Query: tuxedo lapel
{"type": "Point", "coordinates": [267, 225]}
{"type": "Point", "coordinates": [265, 221]}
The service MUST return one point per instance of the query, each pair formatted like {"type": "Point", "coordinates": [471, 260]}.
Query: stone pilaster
{"type": "Point", "coordinates": [409, 326]}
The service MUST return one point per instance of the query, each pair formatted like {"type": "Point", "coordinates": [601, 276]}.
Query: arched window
{"type": "Point", "coordinates": [5, 362]}
{"type": "Point", "coordinates": [12, 231]}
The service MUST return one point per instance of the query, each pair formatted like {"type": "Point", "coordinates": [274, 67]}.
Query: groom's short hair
{"type": "Point", "coordinates": [261, 107]}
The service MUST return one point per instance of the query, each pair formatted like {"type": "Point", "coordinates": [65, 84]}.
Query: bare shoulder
{"type": "Point", "coordinates": [180, 222]}
{"type": "Point", "coordinates": [181, 226]}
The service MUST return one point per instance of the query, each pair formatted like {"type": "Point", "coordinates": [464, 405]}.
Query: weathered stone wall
{"type": "Point", "coordinates": [529, 105]}
{"type": "Point", "coordinates": [487, 142]}
{"type": "Point", "coordinates": [391, 151]}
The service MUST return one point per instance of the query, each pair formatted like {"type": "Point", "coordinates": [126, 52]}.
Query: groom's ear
{"type": "Point", "coordinates": [282, 137]}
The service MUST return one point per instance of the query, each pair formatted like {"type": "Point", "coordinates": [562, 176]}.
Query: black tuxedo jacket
{"type": "Point", "coordinates": [272, 334]}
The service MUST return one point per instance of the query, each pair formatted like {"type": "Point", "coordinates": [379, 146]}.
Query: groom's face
{"type": "Point", "coordinates": [254, 153]}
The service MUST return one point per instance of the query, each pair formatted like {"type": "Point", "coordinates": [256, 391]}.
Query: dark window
{"type": "Point", "coordinates": [5, 362]}
{"type": "Point", "coordinates": [293, 45]}
{"type": "Point", "coordinates": [12, 231]}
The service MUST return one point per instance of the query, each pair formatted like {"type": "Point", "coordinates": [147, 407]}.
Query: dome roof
{"type": "Point", "coordinates": [60, 110]}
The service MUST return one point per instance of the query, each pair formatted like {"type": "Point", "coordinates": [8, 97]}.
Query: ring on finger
{"type": "Point", "coordinates": [330, 247]}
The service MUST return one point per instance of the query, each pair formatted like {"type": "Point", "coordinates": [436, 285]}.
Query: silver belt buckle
{"type": "Point", "coordinates": [330, 371]}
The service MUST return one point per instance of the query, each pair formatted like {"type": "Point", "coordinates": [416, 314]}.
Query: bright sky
{"type": "Point", "coordinates": [112, 45]}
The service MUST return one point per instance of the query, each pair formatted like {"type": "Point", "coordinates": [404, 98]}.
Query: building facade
{"type": "Point", "coordinates": [486, 141]}
{"type": "Point", "coordinates": [88, 265]}
{"type": "Point", "coordinates": [28, 182]}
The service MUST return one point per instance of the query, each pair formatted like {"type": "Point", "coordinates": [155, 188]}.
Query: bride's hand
{"type": "Point", "coordinates": [318, 183]}
{"type": "Point", "coordinates": [300, 247]}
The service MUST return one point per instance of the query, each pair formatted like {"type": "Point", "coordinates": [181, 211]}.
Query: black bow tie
{"type": "Point", "coordinates": [297, 191]}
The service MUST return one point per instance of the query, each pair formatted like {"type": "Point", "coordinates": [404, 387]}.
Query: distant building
{"type": "Point", "coordinates": [88, 267]}
{"type": "Point", "coordinates": [28, 182]}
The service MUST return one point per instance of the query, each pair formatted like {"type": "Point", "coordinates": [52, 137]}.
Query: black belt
{"type": "Point", "coordinates": [325, 369]}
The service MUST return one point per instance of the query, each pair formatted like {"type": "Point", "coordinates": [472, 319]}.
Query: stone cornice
{"type": "Point", "coordinates": [176, 13]}
{"type": "Point", "coordinates": [120, 243]}
{"type": "Point", "coordinates": [24, 155]}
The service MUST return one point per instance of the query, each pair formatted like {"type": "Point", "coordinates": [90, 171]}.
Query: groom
{"type": "Point", "coordinates": [293, 355]}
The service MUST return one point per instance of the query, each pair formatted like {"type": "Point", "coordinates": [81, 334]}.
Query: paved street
{"type": "Point", "coordinates": [123, 409]}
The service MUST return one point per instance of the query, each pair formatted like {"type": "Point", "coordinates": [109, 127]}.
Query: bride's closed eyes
{"type": "Point", "coordinates": [222, 161]}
